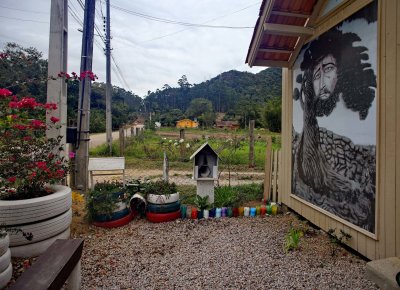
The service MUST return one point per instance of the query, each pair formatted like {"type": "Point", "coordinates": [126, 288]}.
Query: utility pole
{"type": "Point", "coordinates": [58, 48]}
{"type": "Point", "coordinates": [108, 79]}
{"type": "Point", "coordinates": [82, 154]}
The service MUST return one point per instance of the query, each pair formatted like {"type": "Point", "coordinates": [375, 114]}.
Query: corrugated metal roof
{"type": "Point", "coordinates": [279, 32]}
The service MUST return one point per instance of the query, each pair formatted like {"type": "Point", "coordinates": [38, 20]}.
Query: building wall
{"type": "Point", "coordinates": [186, 123]}
{"type": "Point", "coordinates": [386, 240]}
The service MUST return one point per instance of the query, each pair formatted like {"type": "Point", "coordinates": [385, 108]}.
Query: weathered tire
{"type": "Point", "coordinates": [36, 249]}
{"type": "Point", "coordinates": [5, 276]}
{"type": "Point", "coordinates": [162, 198]}
{"type": "Point", "coordinates": [116, 223]}
{"type": "Point", "coordinates": [164, 208]}
{"type": "Point", "coordinates": [42, 230]}
{"type": "Point", "coordinates": [163, 217]}
{"type": "Point", "coordinates": [4, 244]}
{"type": "Point", "coordinates": [5, 260]}
{"type": "Point", "coordinates": [111, 217]}
{"type": "Point", "coordinates": [18, 212]}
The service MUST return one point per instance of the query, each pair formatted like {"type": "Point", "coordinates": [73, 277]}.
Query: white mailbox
{"type": "Point", "coordinates": [205, 170]}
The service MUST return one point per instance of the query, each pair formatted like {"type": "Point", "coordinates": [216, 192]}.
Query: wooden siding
{"type": "Point", "coordinates": [386, 242]}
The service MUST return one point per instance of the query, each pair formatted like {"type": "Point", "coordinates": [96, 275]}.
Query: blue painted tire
{"type": "Point", "coordinates": [111, 217]}
{"type": "Point", "coordinates": [163, 208]}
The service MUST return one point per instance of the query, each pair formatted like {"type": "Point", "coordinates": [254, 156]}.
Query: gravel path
{"type": "Point", "coordinates": [228, 253]}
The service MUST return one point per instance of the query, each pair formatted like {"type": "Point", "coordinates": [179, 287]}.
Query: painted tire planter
{"type": "Point", "coordinates": [164, 208]}
{"type": "Point", "coordinates": [45, 217]}
{"type": "Point", "coordinates": [116, 223]}
{"type": "Point", "coordinates": [162, 198]}
{"type": "Point", "coordinates": [4, 244]}
{"type": "Point", "coordinates": [43, 230]}
{"type": "Point", "coordinates": [35, 249]}
{"type": "Point", "coordinates": [116, 215]}
{"type": "Point", "coordinates": [138, 204]}
{"type": "Point", "coordinates": [5, 276]}
{"type": "Point", "coordinates": [163, 217]}
{"type": "Point", "coordinates": [18, 212]}
{"type": "Point", "coordinates": [5, 260]}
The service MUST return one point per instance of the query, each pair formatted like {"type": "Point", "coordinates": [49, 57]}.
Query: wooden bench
{"type": "Point", "coordinates": [98, 166]}
{"type": "Point", "coordinates": [60, 262]}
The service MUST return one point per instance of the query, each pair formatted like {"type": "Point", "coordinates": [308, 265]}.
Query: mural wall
{"type": "Point", "coordinates": [334, 120]}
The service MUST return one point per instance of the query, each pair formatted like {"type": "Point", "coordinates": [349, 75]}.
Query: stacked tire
{"type": "Point", "coordinates": [5, 261]}
{"type": "Point", "coordinates": [163, 208]}
{"type": "Point", "coordinates": [119, 217]}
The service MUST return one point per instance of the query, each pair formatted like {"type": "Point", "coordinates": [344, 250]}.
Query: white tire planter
{"type": "Point", "coordinates": [5, 260]}
{"type": "Point", "coordinates": [5, 276]}
{"type": "Point", "coordinates": [162, 198]}
{"type": "Point", "coordinates": [36, 249]}
{"type": "Point", "coordinates": [45, 217]}
{"type": "Point", "coordinates": [42, 230]}
{"type": "Point", "coordinates": [4, 244]}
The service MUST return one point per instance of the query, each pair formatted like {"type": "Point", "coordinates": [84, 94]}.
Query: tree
{"type": "Point", "coordinates": [24, 71]}
{"type": "Point", "coordinates": [272, 115]}
{"type": "Point", "coordinates": [198, 107]}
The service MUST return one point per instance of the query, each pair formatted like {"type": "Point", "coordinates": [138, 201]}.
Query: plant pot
{"type": "Point", "coordinates": [263, 210]}
{"type": "Point", "coordinates": [200, 214]}
{"type": "Point", "coordinates": [183, 211]}
{"type": "Point", "coordinates": [246, 211]}
{"type": "Point", "coordinates": [45, 217]}
{"type": "Point", "coordinates": [194, 214]}
{"type": "Point", "coordinates": [164, 208]}
{"type": "Point", "coordinates": [223, 212]}
{"type": "Point", "coordinates": [269, 209]}
{"type": "Point", "coordinates": [258, 210]}
{"type": "Point", "coordinates": [241, 211]}
{"type": "Point", "coordinates": [189, 212]}
{"type": "Point", "coordinates": [253, 211]}
{"type": "Point", "coordinates": [163, 217]}
{"type": "Point", "coordinates": [206, 214]}
{"type": "Point", "coordinates": [138, 204]}
{"type": "Point", "coordinates": [235, 212]}
{"type": "Point", "coordinates": [218, 212]}
{"type": "Point", "coordinates": [162, 199]}
{"type": "Point", "coordinates": [212, 213]}
{"type": "Point", "coordinates": [115, 223]}
{"type": "Point", "coordinates": [229, 212]}
{"type": "Point", "coordinates": [5, 261]}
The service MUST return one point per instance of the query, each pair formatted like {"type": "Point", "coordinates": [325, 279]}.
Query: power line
{"type": "Point", "coordinates": [163, 20]}
{"type": "Point", "coordinates": [24, 10]}
{"type": "Point", "coordinates": [20, 19]}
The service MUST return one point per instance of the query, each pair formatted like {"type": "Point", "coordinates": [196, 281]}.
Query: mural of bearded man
{"type": "Point", "coordinates": [329, 170]}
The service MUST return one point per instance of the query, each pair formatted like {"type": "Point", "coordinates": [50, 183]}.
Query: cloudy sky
{"type": "Point", "coordinates": [148, 53]}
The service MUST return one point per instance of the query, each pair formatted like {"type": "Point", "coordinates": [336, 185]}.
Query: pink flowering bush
{"type": "Point", "coordinates": [28, 160]}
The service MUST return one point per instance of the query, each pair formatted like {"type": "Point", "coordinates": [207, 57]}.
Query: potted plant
{"type": "Point", "coordinates": [202, 205]}
{"type": "Point", "coordinates": [106, 204]}
{"type": "Point", "coordinates": [30, 166]}
{"type": "Point", "coordinates": [163, 201]}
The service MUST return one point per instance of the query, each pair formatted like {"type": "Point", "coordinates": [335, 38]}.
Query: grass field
{"type": "Point", "coordinates": [232, 147]}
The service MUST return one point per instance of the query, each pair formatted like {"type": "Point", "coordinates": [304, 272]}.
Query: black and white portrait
{"type": "Point", "coordinates": [334, 120]}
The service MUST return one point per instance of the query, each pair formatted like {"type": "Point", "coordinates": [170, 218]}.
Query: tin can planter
{"type": "Point", "coordinates": [263, 210]}
{"type": "Point", "coordinates": [253, 212]}
{"type": "Point", "coordinates": [218, 212]}
{"type": "Point", "coordinates": [194, 213]}
{"type": "Point", "coordinates": [206, 214]}
{"type": "Point", "coordinates": [189, 212]}
{"type": "Point", "coordinates": [212, 213]}
{"type": "Point", "coordinates": [229, 212]}
{"type": "Point", "coordinates": [235, 212]}
{"type": "Point", "coordinates": [274, 208]}
{"type": "Point", "coordinates": [223, 212]}
{"type": "Point", "coordinates": [241, 211]}
{"type": "Point", "coordinates": [258, 210]}
{"type": "Point", "coordinates": [246, 211]}
{"type": "Point", "coordinates": [269, 209]}
{"type": "Point", "coordinates": [200, 214]}
{"type": "Point", "coordinates": [183, 211]}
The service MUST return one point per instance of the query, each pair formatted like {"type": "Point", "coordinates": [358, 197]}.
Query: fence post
{"type": "Point", "coordinates": [251, 149]}
{"type": "Point", "coordinates": [267, 167]}
{"type": "Point", "coordinates": [121, 141]}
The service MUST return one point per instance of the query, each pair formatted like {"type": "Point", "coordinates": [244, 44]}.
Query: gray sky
{"type": "Point", "coordinates": [146, 54]}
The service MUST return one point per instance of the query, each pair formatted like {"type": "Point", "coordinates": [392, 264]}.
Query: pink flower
{"type": "Point", "coordinates": [71, 155]}
{"type": "Point", "coordinates": [50, 106]}
{"type": "Point", "coordinates": [5, 93]}
{"type": "Point", "coordinates": [27, 138]}
{"type": "Point", "coordinates": [28, 103]}
{"type": "Point", "coordinates": [20, 127]}
{"type": "Point", "coordinates": [37, 124]}
{"type": "Point", "coordinates": [54, 119]}
{"type": "Point", "coordinates": [13, 105]}
{"type": "Point", "coordinates": [41, 165]}
{"type": "Point", "coordinates": [12, 179]}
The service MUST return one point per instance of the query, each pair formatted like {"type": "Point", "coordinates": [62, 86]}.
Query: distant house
{"type": "Point", "coordinates": [227, 125]}
{"type": "Point", "coordinates": [187, 123]}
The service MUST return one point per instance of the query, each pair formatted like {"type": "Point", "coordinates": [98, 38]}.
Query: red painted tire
{"type": "Point", "coordinates": [163, 217]}
{"type": "Point", "coordinates": [116, 223]}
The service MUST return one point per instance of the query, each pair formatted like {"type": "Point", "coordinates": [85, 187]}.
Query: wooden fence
{"type": "Point", "coordinates": [271, 179]}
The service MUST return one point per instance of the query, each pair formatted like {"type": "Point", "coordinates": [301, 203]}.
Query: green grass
{"type": "Point", "coordinates": [147, 149]}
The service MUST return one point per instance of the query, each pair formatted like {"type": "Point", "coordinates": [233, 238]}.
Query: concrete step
{"type": "Point", "coordinates": [385, 273]}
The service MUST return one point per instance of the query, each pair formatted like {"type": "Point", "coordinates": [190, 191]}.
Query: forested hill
{"type": "Point", "coordinates": [228, 92]}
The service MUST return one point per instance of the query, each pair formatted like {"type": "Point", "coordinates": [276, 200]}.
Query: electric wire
{"type": "Point", "coordinates": [24, 10]}
{"type": "Point", "coordinates": [21, 19]}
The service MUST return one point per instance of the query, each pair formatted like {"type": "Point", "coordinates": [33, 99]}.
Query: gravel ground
{"type": "Point", "coordinates": [227, 253]}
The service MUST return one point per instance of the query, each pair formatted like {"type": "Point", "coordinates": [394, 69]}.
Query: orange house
{"type": "Point", "coordinates": [187, 123]}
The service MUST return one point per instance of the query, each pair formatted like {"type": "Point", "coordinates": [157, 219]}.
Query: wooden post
{"type": "Point", "coordinates": [251, 149]}
{"type": "Point", "coordinates": [166, 168]}
{"type": "Point", "coordinates": [182, 133]}
{"type": "Point", "coordinates": [121, 141]}
{"type": "Point", "coordinates": [267, 168]}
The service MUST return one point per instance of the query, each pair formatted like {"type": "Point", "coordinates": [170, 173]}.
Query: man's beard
{"type": "Point", "coordinates": [325, 107]}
